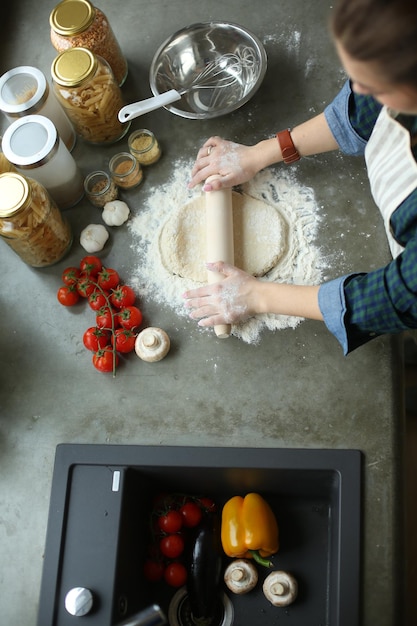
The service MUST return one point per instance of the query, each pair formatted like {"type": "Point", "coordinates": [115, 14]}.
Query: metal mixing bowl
{"type": "Point", "coordinates": [216, 66]}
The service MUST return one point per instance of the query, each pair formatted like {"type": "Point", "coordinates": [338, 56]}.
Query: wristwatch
{"type": "Point", "coordinates": [289, 151]}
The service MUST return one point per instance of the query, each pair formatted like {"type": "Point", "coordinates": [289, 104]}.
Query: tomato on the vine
{"type": "Point", "coordinates": [97, 299]}
{"type": "Point", "coordinates": [207, 504]}
{"type": "Point", "coordinates": [153, 570]}
{"type": "Point", "coordinates": [108, 279]}
{"type": "Point", "coordinates": [70, 275]}
{"type": "Point", "coordinates": [104, 359]}
{"type": "Point", "coordinates": [104, 318]}
{"type": "Point", "coordinates": [191, 514]}
{"type": "Point", "coordinates": [172, 546]}
{"type": "Point", "coordinates": [124, 340]}
{"type": "Point", "coordinates": [85, 286]}
{"type": "Point", "coordinates": [122, 296]}
{"type": "Point", "coordinates": [91, 265]}
{"type": "Point", "coordinates": [170, 522]}
{"type": "Point", "coordinates": [68, 295]}
{"type": "Point", "coordinates": [130, 317]}
{"type": "Point", "coordinates": [95, 338]}
{"type": "Point", "coordinates": [175, 574]}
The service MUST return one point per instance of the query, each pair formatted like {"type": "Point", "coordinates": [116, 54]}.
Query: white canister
{"type": "Point", "coordinates": [34, 147]}
{"type": "Point", "coordinates": [24, 91]}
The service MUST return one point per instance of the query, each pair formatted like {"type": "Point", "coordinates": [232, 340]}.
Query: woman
{"type": "Point", "coordinates": [375, 114]}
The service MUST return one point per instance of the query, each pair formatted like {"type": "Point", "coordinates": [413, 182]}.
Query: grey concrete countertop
{"type": "Point", "coordinates": [293, 389]}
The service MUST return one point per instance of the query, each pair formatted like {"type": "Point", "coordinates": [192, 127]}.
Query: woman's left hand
{"type": "Point", "coordinates": [228, 301]}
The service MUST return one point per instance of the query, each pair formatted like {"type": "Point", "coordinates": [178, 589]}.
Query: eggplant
{"type": "Point", "coordinates": [204, 570]}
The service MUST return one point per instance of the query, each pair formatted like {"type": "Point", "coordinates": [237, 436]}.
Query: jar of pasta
{"type": "Point", "coordinates": [33, 145]}
{"type": "Point", "coordinates": [85, 86]}
{"type": "Point", "coordinates": [30, 221]}
{"type": "Point", "coordinates": [144, 146]}
{"type": "Point", "coordinates": [24, 91]}
{"type": "Point", "coordinates": [78, 24]}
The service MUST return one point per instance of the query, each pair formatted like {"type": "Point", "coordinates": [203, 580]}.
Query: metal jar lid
{"type": "Point", "coordinates": [30, 141]}
{"type": "Point", "coordinates": [22, 90]}
{"type": "Point", "coordinates": [15, 194]}
{"type": "Point", "coordinates": [71, 17]}
{"type": "Point", "coordinates": [72, 67]}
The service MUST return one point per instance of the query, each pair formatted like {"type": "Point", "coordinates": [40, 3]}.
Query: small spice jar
{"type": "Point", "coordinates": [125, 170]}
{"type": "Point", "coordinates": [84, 85]}
{"type": "Point", "coordinates": [144, 146]}
{"type": "Point", "coordinates": [24, 91]}
{"type": "Point", "coordinates": [100, 188]}
{"type": "Point", "coordinates": [30, 221]}
{"type": "Point", "coordinates": [33, 145]}
{"type": "Point", "coordinates": [77, 23]}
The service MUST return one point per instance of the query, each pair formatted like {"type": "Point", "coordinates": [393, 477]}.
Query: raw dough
{"type": "Point", "coordinates": [260, 238]}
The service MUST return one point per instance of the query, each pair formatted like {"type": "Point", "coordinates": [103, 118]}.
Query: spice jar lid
{"type": "Point", "coordinates": [30, 141]}
{"type": "Point", "coordinates": [71, 17]}
{"type": "Point", "coordinates": [72, 67]}
{"type": "Point", "coordinates": [22, 89]}
{"type": "Point", "coordinates": [15, 194]}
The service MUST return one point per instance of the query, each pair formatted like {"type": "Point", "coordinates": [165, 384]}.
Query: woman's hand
{"type": "Point", "coordinates": [234, 162]}
{"type": "Point", "coordinates": [229, 301]}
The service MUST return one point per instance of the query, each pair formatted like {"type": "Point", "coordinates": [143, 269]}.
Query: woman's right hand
{"type": "Point", "coordinates": [235, 163]}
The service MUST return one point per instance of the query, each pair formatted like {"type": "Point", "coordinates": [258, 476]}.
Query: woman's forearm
{"type": "Point", "coordinates": [284, 299]}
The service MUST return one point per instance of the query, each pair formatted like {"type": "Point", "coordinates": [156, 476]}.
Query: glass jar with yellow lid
{"type": "Point", "coordinates": [85, 86]}
{"type": "Point", "coordinates": [77, 23]}
{"type": "Point", "coordinates": [30, 221]}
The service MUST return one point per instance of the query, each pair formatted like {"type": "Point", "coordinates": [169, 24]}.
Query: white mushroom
{"type": "Point", "coordinates": [152, 344]}
{"type": "Point", "coordinates": [241, 576]}
{"type": "Point", "coordinates": [280, 588]}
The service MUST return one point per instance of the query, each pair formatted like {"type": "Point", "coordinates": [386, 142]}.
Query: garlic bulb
{"type": "Point", "coordinates": [93, 237]}
{"type": "Point", "coordinates": [152, 344]}
{"type": "Point", "coordinates": [241, 576]}
{"type": "Point", "coordinates": [280, 588]}
{"type": "Point", "coordinates": [115, 213]}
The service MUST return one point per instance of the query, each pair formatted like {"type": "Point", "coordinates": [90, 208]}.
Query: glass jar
{"type": "Point", "coordinates": [144, 146]}
{"type": "Point", "coordinates": [125, 170]}
{"type": "Point", "coordinates": [78, 24]}
{"type": "Point", "coordinates": [33, 145]}
{"type": "Point", "coordinates": [85, 87]}
{"type": "Point", "coordinates": [30, 221]}
{"type": "Point", "coordinates": [100, 188]}
{"type": "Point", "coordinates": [24, 91]}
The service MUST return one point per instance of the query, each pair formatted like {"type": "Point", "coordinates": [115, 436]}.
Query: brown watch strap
{"type": "Point", "coordinates": [289, 151]}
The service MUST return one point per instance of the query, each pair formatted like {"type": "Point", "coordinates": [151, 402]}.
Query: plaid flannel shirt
{"type": "Point", "coordinates": [359, 307]}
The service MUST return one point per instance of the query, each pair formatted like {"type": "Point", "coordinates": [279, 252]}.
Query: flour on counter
{"type": "Point", "coordinates": [302, 263]}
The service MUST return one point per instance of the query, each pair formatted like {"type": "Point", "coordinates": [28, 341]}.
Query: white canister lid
{"type": "Point", "coordinates": [30, 141]}
{"type": "Point", "coordinates": [22, 89]}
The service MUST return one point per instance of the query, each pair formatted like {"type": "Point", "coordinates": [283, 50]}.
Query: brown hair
{"type": "Point", "coordinates": [380, 31]}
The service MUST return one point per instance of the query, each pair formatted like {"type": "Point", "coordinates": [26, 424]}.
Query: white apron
{"type": "Point", "coordinates": [392, 169]}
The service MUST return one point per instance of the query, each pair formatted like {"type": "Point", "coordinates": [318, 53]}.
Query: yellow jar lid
{"type": "Point", "coordinates": [71, 17]}
{"type": "Point", "coordinates": [15, 194]}
{"type": "Point", "coordinates": [72, 67]}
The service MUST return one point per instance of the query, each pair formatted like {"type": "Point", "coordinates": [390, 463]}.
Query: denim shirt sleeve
{"type": "Point", "coordinates": [337, 117]}
{"type": "Point", "coordinates": [332, 305]}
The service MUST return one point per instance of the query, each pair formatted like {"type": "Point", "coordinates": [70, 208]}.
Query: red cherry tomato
{"type": "Point", "coordinates": [207, 504]}
{"type": "Point", "coordinates": [191, 514]}
{"type": "Point", "coordinates": [125, 341]}
{"type": "Point", "coordinates": [108, 279]}
{"type": "Point", "coordinates": [104, 318]}
{"type": "Point", "coordinates": [153, 570]}
{"type": "Point", "coordinates": [103, 359]}
{"type": "Point", "coordinates": [122, 296]}
{"type": "Point", "coordinates": [171, 522]}
{"type": "Point", "coordinates": [91, 265]}
{"type": "Point", "coordinates": [70, 275]}
{"type": "Point", "coordinates": [97, 299]}
{"type": "Point", "coordinates": [85, 286]}
{"type": "Point", "coordinates": [68, 295]}
{"type": "Point", "coordinates": [175, 574]}
{"type": "Point", "coordinates": [130, 317]}
{"type": "Point", "coordinates": [172, 546]}
{"type": "Point", "coordinates": [95, 338]}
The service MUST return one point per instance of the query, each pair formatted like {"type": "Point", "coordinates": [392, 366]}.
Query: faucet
{"type": "Point", "coordinates": [151, 616]}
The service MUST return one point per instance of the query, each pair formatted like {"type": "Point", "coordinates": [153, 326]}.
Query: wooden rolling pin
{"type": "Point", "coordinates": [219, 229]}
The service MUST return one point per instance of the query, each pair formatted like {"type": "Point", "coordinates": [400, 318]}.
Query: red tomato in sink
{"type": "Point", "coordinates": [171, 522]}
{"type": "Point", "coordinates": [172, 546]}
{"type": "Point", "coordinates": [191, 514]}
{"type": "Point", "coordinates": [175, 574]}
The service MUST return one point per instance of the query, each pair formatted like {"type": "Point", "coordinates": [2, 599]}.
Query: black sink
{"type": "Point", "coordinates": [98, 522]}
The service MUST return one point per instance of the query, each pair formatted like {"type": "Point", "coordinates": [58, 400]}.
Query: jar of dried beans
{"type": "Point", "coordinates": [100, 188]}
{"type": "Point", "coordinates": [125, 170]}
{"type": "Point", "coordinates": [30, 221]}
{"type": "Point", "coordinates": [85, 86]}
{"type": "Point", "coordinates": [24, 91]}
{"type": "Point", "coordinates": [144, 146]}
{"type": "Point", "coordinates": [77, 23]}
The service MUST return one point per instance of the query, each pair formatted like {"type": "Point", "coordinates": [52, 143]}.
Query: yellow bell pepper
{"type": "Point", "coordinates": [249, 528]}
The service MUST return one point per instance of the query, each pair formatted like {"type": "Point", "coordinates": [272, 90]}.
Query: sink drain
{"type": "Point", "coordinates": [179, 613]}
